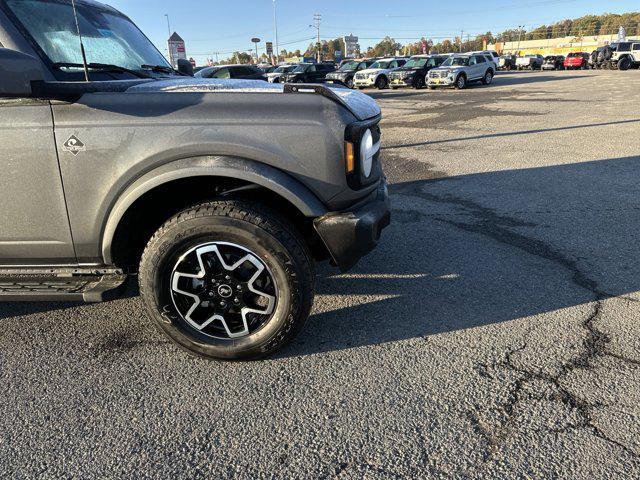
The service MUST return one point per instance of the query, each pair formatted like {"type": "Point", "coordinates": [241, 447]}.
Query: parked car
{"type": "Point", "coordinates": [278, 73]}
{"type": "Point", "coordinates": [186, 184]}
{"type": "Point", "coordinates": [414, 73]}
{"type": "Point", "coordinates": [602, 57]}
{"type": "Point", "coordinates": [308, 73]}
{"type": "Point", "coordinates": [553, 62]}
{"type": "Point", "coordinates": [627, 55]}
{"type": "Point", "coordinates": [347, 72]}
{"type": "Point", "coordinates": [460, 70]}
{"type": "Point", "coordinates": [530, 62]}
{"type": "Point", "coordinates": [577, 60]}
{"type": "Point", "coordinates": [378, 74]}
{"type": "Point", "coordinates": [507, 62]}
{"type": "Point", "coordinates": [238, 72]}
{"type": "Point", "coordinates": [494, 57]}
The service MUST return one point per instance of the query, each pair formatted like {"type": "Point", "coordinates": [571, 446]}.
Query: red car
{"type": "Point", "coordinates": [576, 60]}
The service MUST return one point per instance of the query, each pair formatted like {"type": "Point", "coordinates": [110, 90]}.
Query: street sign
{"type": "Point", "coordinates": [177, 49]}
{"type": "Point", "coordinates": [269, 49]}
{"type": "Point", "coordinates": [255, 40]}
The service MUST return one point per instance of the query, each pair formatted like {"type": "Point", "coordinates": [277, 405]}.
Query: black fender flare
{"type": "Point", "coordinates": [250, 171]}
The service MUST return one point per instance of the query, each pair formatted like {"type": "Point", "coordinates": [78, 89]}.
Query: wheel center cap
{"type": "Point", "coordinates": [225, 291]}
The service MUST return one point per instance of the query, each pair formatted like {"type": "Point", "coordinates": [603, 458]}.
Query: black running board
{"type": "Point", "coordinates": [75, 288]}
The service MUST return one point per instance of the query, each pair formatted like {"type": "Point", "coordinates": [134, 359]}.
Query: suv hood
{"type": "Point", "coordinates": [360, 105]}
{"type": "Point", "coordinates": [452, 68]}
{"type": "Point", "coordinates": [375, 70]}
{"type": "Point", "coordinates": [343, 72]}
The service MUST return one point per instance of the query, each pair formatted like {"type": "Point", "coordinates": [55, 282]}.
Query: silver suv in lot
{"type": "Point", "coordinates": [460, 70]}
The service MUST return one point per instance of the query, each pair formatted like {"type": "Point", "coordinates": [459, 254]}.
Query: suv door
{"type": "Point", "coordinates": [476, 62]}
{"type": "Point", "coordinates": [34, 225]}
{"type": "Point", "coordinates": [312, 74]}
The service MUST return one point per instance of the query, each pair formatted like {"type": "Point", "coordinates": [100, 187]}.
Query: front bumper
{"type": "Point", "coordinates": [440, 82]}
{"type": "Point", "coordinates": [364, 82]}
{"type": "Point", "coordinates": [349, 236]}
{"type": "Point", "coordinates": [402, 82]}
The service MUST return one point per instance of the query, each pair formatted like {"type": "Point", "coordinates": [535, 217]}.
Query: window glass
{"type": "Point", "coordinates": [108, 37]}
{"type": "Point", "coordinates": [222, 73]}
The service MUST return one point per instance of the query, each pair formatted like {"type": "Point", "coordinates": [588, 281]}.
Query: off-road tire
{"type": "Point", "coordinates": [624, 63]}
{"type": "Point", "coordinates": [270, 237]}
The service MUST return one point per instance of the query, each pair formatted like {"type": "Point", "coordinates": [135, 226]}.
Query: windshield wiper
{"type": "Point", "coordinates": [104, 67]}
{"type": "Point", "coordinates": [161, 69]}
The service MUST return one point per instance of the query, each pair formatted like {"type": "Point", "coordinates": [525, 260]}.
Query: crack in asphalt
{"type": "Point", "coordinates": [595, 345]}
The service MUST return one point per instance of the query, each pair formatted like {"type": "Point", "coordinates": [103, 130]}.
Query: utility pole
{"type": "Point", "coordinates": [317, 19]}
{"type": "Point", "coordinates": [275, 28]}
{"type": "Point", "coordinates": [461, 36]}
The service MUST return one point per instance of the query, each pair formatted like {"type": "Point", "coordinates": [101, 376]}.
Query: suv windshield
{"type": "Point", "coordinates": [347, 67]}
{"type": "Point", "coordinates": [416, 63]}
{"type": "Point", "coordinates": [108, 36]}
{"type": "Point", "coordinates": [456, 61]}
{"type": "Point", "coordinates": [301, 68]}
{"type": "Point", "coordinates": [382, 65]}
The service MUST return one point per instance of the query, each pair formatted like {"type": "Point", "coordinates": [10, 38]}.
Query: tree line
{"type": "Point", "coordinates": [588, 25]}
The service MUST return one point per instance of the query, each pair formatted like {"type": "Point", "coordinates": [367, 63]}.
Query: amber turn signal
{"type": "Point", "coordinates": [350, 156]}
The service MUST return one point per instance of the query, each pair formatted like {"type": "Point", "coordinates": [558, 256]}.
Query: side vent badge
{"type": "Point", "coordinates": [74, 146]}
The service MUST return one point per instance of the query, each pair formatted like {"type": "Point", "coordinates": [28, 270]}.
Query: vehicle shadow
{"type": "Point", "coordinates": [454, 259]}
{"type": "Point", "coordinates": [502, 79]}
{"type": "Point", "coordinates": [511, 134]}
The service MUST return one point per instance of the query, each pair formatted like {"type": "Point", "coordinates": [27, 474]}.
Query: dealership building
{"type": "Point", "coordinates": [559, 46]}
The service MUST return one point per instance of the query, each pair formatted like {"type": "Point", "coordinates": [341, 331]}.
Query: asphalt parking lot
{"type": "Point", "coordinates": [494, 334]}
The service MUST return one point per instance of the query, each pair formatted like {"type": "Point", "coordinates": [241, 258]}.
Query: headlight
{"type": "Point", "coordinates": [367, 152]}
{"type": "Point", "coordinates": [362, 148]}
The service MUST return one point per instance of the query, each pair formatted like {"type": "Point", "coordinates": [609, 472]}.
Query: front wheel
{"type": "Point", "coordinates": [228, 280]}
{"type": "Point", "coordinates": [461, 82]}
{"type": "Point", "coordinates": [382, 82]}
{"type": "Point", "coordinates": [420, 83]}
{"type": "Point", "coordinates": [350, 83]}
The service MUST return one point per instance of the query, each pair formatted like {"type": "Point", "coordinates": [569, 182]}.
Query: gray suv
{"type": "Point", "coordinates": [460, 70]}
{"type": "Point", "coordinates": [219, 195]}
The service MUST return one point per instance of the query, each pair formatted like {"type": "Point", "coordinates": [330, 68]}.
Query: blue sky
{"type": "Point", "coordinates": [216, 25]}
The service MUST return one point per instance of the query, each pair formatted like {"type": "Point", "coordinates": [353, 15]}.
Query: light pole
{"type": "Point", "coordinates": [275, 28]}
{"type": "Point", "coordinates": [520, 27]}
{"type": "Point", "coordinates": [168, 23]}
{"type": "Point", "coordinates": [256, 40]}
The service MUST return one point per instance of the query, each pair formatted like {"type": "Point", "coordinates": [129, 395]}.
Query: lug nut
{"type": "Point", "coordinates": [223, 304]}
{"type": "Point", "coordinates": [236, 301]}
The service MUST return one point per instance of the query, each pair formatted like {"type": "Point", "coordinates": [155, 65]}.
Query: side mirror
{"type": "Point", "coordinates": [17, 71]}
{"type": "Point", "coordinates": [184, 66]}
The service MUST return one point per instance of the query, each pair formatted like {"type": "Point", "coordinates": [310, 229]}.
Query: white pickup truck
{"type": "Point", "coordinates": [530, 62]}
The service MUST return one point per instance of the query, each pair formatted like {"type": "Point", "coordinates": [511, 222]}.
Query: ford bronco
{"type": "Point", "coordinates": [219, 195]}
